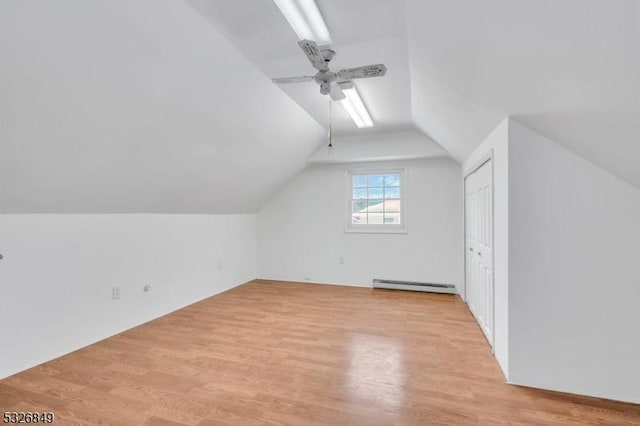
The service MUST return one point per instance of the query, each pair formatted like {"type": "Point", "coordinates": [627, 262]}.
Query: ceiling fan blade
{"type": "Point", "coordinates": [311, 49]}
{"type": "Point", "coordinates": [287, 80]}
{"type": "Point", "coordinates": [366, 71]}
{"type": "Point", "coordinates": [336, 93]}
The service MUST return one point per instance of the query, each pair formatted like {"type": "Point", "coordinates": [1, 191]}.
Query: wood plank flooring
{"type": "Point", "coordinates": [278, 353]}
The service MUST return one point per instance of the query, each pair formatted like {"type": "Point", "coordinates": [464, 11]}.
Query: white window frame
{"type": "Point", "coordinates": [381, 228]}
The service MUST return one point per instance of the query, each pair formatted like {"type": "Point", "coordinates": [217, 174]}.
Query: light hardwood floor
{"type": "Point", "coordinates": [285, 353]}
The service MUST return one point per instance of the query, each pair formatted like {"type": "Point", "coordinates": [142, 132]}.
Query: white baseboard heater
{"type": "Point", "coordinates": [414, 286]}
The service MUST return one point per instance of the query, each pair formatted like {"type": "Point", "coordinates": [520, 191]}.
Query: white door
{"type": "Point", "coordinates": [479, 246]}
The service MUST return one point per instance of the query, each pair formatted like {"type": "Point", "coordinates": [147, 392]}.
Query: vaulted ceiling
{"type": "Point", "coordinates": [167, 106]}
{"type": "Point", "coordinates": [138, 106]}
{"type": "Point", "coordinates": [363, 32]}
{"type": "Point", "coordinates": [570, 69]}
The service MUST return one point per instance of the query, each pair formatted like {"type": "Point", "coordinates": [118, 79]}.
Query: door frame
{"type": "Point", "coordinates": [466, 173]}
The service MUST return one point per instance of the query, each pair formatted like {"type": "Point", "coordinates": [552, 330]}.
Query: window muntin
{"type": "Point", "coordinates": [375, 201]}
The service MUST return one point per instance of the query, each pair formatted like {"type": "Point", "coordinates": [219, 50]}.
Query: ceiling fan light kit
{"type": "Point", "coordinates": [305, 19]}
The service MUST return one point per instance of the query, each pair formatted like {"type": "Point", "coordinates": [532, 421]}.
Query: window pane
{"type": "Point", "coordinates": [359, 218]}
{"type": "Point", "coordinates": [359, 193]}
{"type": "Point", "coordinates": [375, 180]}
{"type": "Point", "coordinates": [392, 180]}
{"type": "Point", "coordinates": [392, 218]}
{"type": "Point", "coordinates": [375, 206]}
{"type": "Point", "coordinates": [376, 219]}
{"type": "Point", "coordinates": [392, 206]}
{"type": "Point", "coordinates": [376, 193]}
{"type": "Point", "coordinates": [359, 206]}
{"type": "Point", "coordinates": [376, 200]}
{"type": "Point", "coordinates": [359, 180]}
{"type": "Point", "coordinates": [392, 192]}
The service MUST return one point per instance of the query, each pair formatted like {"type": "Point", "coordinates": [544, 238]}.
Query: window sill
{"type": "Point", "coordinates": [375, 231]}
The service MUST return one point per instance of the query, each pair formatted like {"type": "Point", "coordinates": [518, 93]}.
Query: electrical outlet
{"type": "Point", "coordinates": [147, 288]}
{"type": "Point", "coordinates": [115, 293]}
{"type": "Point", "coordinates": [341, 260]}
{"type": "Point", "coordinates": [219, 265]}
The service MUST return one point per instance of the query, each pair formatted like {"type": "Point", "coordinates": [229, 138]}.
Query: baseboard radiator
{"type": "Point", "coordinates": [414, 286]}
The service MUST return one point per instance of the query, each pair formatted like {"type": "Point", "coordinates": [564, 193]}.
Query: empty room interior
{"type": "Point", "coordinates": [320, 212]}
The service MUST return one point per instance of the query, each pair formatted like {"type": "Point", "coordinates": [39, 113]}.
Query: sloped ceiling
{"type": "Point", "coordinates": [363, 32]}
{"type": "Point", "coordinates": [137, 106]}
{"type": "Point", "coordinates": [167, 106]}
{"type": "Point", "coordinates": [569, 69]}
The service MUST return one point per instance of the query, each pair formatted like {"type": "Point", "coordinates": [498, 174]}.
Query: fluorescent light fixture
{"type": "Point", "coordinates": [354, 106]}
{"type": "Point", "coordinates": [305, 19]}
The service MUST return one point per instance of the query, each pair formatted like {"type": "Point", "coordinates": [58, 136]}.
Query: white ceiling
{"type": "Point", "coordinates": [138, 106]}
{"type": "Point", "coordinates": [167, 106]}
{"type": "Point", "coordinates": [363, 32]}
{"type": "Point", "coordinates": [570, 69]}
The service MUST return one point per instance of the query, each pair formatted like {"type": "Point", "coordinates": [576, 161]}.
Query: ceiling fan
{"type": "Point", "coordinates": [328, 80]}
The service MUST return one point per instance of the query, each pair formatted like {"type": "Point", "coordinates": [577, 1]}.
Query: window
{"type": "Point", "coordinates": [375, 201]}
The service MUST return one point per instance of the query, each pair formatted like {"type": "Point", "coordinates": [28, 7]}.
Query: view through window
{"type": "Point", "coordinates": [376, 200]}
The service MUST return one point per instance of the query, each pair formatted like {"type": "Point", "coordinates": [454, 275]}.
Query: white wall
{"type": "Point", "coordinates": [301, 230]}
{"type": "Point", "coordinates": [574, 286]}
{"type": "Point", "coordinates": [58, 270]}
{"type": "Point", "coordinates": [497, 145]}
{"type": "Point", "coordinates": [566, 286]}
{"type": "Point", "coordinates": [386, 146]}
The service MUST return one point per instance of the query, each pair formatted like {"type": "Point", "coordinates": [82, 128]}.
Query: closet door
{"type": "Point", "coordinates": [479, 246]}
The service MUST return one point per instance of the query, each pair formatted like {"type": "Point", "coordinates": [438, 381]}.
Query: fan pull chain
{"type": "Point", "coordinates": [330, 146]}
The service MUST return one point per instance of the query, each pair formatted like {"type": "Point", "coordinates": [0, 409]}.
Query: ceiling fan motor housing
{"type": "Point", "coordinates": [324, 79]}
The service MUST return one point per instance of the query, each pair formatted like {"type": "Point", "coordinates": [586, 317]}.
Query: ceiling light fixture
{"type": "Point", "coordinates": [305, 19]}
{"type": "Point", "coordinates": [354, 106]}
